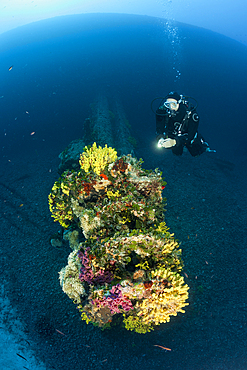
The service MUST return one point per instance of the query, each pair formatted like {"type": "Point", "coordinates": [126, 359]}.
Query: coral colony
{"type": "Point", "coordinates": [125, 265]}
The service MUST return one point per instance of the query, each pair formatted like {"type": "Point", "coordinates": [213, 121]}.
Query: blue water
{"type": "Point", "coordinates": [59, 66]}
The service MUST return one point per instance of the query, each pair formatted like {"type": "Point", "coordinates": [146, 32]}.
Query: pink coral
{"type": "Point", "coordinates": [114, 300]}
{"type": "Point", "coordinates": [87, 274]}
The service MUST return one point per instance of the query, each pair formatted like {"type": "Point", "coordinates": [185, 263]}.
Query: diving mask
{"type": "Point", "coordinates": [171, 104]}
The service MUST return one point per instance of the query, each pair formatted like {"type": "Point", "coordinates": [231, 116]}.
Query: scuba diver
{"type": "Point", "coordinates": [177, 124]}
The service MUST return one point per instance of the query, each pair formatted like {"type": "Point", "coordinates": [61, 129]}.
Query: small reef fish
{"type": "Point", "coordinates": [167, 349]}
{"type": "Point", "coordinates": [21, 356]}
{"type": "Point", "coordinates": [21, 205]}
{"type": "Point", "coordinates": [59, 332]}
{"type": "Point", "coordinates": [32, 133]}
{"type": "Point", "coordinates": [10, 68]}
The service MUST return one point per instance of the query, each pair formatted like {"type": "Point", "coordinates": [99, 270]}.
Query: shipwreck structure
{"type": "Point", "coordinates": [107, 124]}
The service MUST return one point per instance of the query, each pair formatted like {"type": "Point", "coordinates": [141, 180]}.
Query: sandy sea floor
{"type": "Point", "coordinates": [206, 209]}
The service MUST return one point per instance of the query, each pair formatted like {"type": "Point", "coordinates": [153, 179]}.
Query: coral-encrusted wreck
{"type": "Point", "coordinates": [124, 262]}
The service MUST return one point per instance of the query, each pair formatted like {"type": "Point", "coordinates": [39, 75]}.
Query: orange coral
{"type": "Point", "coordinates": [104, 176]}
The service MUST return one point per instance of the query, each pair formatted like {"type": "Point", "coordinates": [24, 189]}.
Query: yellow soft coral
{"type": "Point", "coordinates": [65, 189]}
{"type": "Point", "coordinates": [60, 211]}
{"type": "Point", "coordinates": [168, 297]}
{"type": "Point", "coordinates": [110, 194]}
{"type": "Point", "coordinates": [136, 324]}
{"type": "Point", "coordinates": [97, 158]}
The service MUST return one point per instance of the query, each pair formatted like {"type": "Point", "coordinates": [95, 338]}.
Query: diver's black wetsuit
{"type": "Point", "coordinates": [181, 126]}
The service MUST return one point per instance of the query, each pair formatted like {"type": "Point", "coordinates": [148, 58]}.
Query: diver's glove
{"type": "Point", "coordinates": [166, 143]}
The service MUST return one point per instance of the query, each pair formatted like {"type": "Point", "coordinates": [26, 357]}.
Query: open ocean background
{"type": "Point", "coordinates": [60, 66]}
